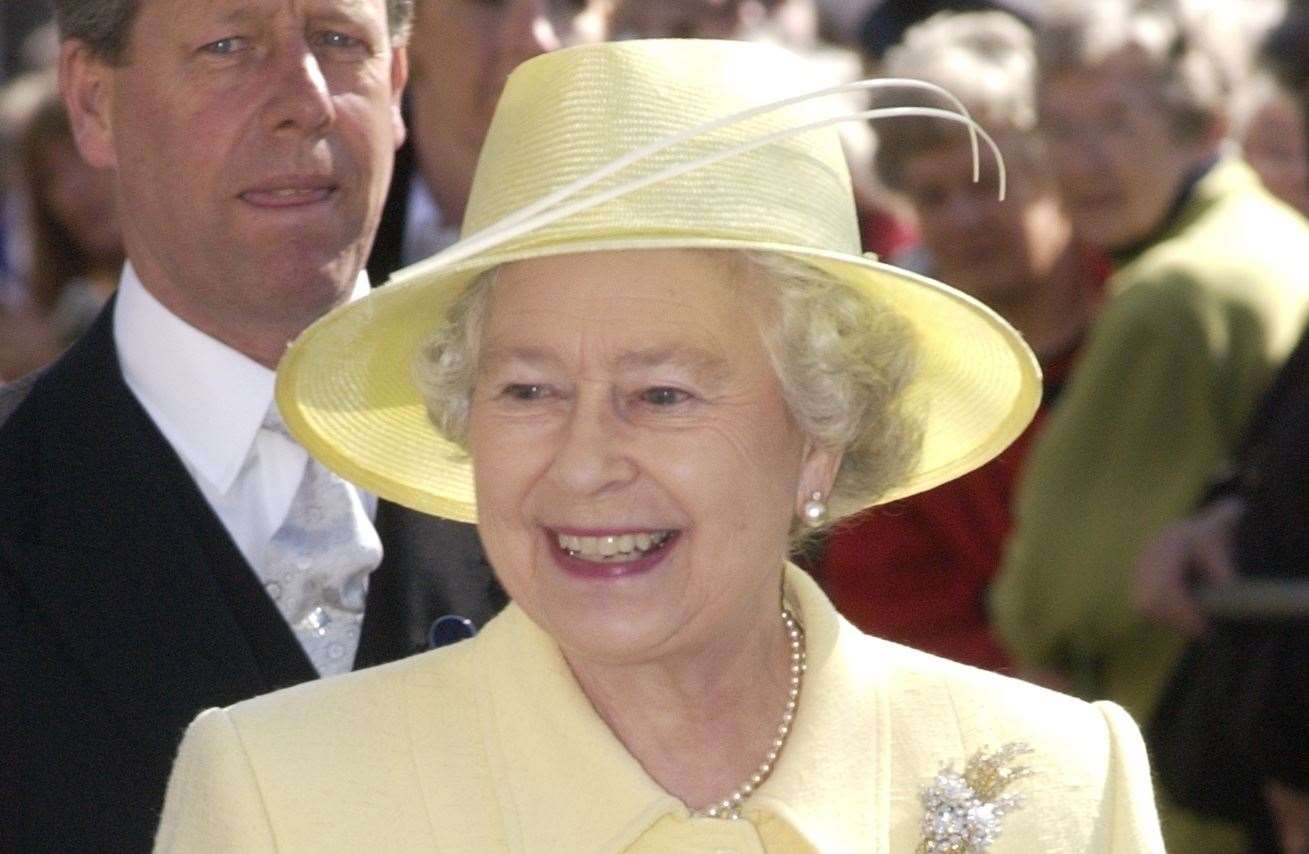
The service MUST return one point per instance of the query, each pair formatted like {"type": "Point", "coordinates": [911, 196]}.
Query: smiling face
{"type": "Point", "coordinates": [252, 143]}
{"type": "Point", "coordinates": [1118, 156]}
{"type": "Point", "coordinates": [637, 469]}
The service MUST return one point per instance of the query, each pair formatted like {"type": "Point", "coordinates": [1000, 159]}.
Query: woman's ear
{"type": "Point", "coordinates": [817, 474]}
{"type": "Point", "coordinates": [85, 82]}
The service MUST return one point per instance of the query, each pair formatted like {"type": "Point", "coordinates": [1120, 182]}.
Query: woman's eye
{"type": "Point", "coordinates": [664, 396]}
{"type": "Point", "coordinates": [524, 391]}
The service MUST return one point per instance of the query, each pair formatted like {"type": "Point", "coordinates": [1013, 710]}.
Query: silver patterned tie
{"type": "Point", "coordinates": [316, 566]}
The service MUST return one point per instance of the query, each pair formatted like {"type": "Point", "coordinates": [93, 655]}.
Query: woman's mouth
{"type": "Point", "coordinates": [613, 548]}
{"type": "Point", "coordinates": [609, 555]}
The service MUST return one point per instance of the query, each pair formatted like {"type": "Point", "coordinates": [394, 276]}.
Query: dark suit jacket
{"type": "Point", "coordinates": [388, 246]}
{"type": "Point", "coordinates": [125, 608]}
{"type": "Point", "coordinates": [1235, 711]}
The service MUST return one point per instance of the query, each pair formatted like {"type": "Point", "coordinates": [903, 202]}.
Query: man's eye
{"type": "Point", "coordinates": [338, 40]}
{"type": "Point", "coordinates": [227, 46]}
{"type": "Point", "coordinates": [664, 396]}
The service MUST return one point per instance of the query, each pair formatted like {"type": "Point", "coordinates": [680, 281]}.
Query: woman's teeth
{"type": "Point", "coordinates": [614, 548]}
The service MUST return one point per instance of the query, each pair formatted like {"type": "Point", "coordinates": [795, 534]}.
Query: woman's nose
{"type": "Point", "coordinates": [592, 454]}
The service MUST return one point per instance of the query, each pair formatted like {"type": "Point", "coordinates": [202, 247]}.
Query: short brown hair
{"type": "Point", "coordinates": [105, 26]}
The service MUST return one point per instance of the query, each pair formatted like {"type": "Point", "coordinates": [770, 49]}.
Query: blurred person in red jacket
{"type": "Point", "coordinates": [917, 571]}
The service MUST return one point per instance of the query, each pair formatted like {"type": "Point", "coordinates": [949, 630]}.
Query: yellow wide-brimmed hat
{"type": "Point", "coordinates": [643, 145]}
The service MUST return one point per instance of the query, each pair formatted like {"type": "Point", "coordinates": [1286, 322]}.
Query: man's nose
{"type": "Point", "coordinates": [301, 100]}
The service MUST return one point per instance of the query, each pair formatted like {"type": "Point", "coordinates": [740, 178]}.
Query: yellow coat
{"type": "Point", "coordinates": [489, 745]}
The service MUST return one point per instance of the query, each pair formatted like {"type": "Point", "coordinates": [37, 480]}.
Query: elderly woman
{"type": "Point", "coordinates": [643, 383]}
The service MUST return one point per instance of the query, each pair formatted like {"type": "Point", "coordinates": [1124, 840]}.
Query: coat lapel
{"type": "Point", "coordinates": [112, 549]}
{"type": "Point", "coordinates": [430, 568]}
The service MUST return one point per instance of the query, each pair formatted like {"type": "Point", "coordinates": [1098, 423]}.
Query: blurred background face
{"type": "Point", "coordinates": [1274, 144]}
{"type": "Point", "coordinates": [1119, 162]}
{"type": "Point", "coordinates": [678, 19]}
{"type": "Point", "coordinates": [80, 200]}
{"type": "Point", "coordinates": [999, 252]}
{"type": "Point", "coordinates": [461, 53]}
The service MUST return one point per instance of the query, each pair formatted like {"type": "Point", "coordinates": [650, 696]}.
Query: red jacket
{"type": "Point", "coordinates": [916, 571]}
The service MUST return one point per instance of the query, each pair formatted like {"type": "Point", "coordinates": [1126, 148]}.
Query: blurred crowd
{"type": "Point", "coordinates": [1150, 247]}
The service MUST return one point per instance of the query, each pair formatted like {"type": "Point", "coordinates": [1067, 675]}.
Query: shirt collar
{"type": "Point", "coordinates": [580, 779]}
{"type": "Point", "coordinates": [208, 399]}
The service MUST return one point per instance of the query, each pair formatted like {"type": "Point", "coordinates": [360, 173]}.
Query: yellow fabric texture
{"type": "Point", "coordinates": [490, 746]}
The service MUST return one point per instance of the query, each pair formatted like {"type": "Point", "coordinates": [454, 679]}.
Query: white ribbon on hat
{"type": "Point", "coordinates": [549, 208]}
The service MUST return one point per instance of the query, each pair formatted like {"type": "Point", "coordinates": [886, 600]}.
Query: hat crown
{"type": "Point", "coordinates": [565, 114]}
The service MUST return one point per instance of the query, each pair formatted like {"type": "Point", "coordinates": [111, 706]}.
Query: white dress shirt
{"type": "Point", "coordinates": [426, 231]}
{"type": "Point", "coordinates": [209, 402]}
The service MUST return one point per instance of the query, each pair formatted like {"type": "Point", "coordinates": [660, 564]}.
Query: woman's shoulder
{"type": "Point", "coordinates": [333, 758]}
{"type": "Point", "coordinates": [919, 686]}
{"type": "Point", "coordinates": [1079, 768]}
{"type": "Point", "coordinates": [373, 692]}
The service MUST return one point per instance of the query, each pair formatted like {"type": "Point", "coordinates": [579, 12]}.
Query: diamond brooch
{"type": "Point", "coordinates": [963, 812]}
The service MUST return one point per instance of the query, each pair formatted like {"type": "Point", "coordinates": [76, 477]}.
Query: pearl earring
{"type": "Point", "coordinates": [814, 511]}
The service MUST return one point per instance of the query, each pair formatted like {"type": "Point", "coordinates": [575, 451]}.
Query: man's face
{"type": "Point", "coordinates": [1118, 158]}
{"type": "Point", "coordinates": [463, 51]}
{"type": "Point", "coordinates": [252, 142]}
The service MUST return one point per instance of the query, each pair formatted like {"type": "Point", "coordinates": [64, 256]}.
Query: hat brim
{"type": "Point", "coordinates": [346, 392]}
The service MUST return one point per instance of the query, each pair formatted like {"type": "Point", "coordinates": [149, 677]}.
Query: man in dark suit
{"type": "Point", "coordinates": [462, 52]}
{"type": "Point", "coordinates": [143, 480]}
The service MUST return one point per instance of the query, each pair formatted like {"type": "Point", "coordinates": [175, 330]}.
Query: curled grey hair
{"type": "Point", "coordinates": [986, 59]}
{"type": "Point", "coordinates": [1193, 75]}
{"type": "Point", "coordinates": [105, 26]}
{"type": "Point", "coordinates": [843, 360]}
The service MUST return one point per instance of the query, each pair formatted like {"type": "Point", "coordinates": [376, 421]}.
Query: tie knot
{"type": "Point", "coordinates": [273, 421]}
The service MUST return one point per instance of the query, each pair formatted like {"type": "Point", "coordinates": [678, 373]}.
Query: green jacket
{"type": "Point", "coordinates": [1192, 331]}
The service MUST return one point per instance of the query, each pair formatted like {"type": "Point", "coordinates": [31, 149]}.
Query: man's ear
{"type": "Point", "coordinates": [85, 82]}
{"type": "Point", "coordinates": [399, 77]}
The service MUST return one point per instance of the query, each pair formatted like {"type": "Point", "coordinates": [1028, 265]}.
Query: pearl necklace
{"type": "Point", "coordinates": [730, 806]}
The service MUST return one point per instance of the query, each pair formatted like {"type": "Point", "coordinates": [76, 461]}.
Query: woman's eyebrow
{"type": "Point", "coordinates": [496, 357]}
{"type": "Point", "coordinates": [702, 363]}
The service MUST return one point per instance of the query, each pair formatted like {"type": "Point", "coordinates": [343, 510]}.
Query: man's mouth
{"type": "Point", "coordinates": [289, 192]}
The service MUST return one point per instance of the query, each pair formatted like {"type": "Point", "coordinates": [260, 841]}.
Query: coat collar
{"type": "Point", "coordinates": [568, 783]}
{"type": "Point", "coordinates": [1210, 182]}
